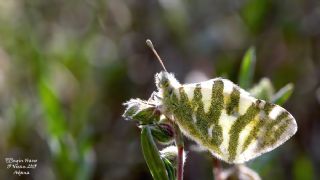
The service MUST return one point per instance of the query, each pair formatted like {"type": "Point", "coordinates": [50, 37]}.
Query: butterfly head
{"type": "Point", "coordinates": [167, 86]}
{"type": "Point", "coordinates": [166, 81]}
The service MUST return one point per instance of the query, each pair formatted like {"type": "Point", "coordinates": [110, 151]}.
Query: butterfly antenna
{"type": "Point", "coordinates": [149, 43]}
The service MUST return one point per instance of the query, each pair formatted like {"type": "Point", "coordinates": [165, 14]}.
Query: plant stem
{"type": "Point", "coordinates": [180, 163]}
{"type": "Point", "coordinates": [217, 168]}
{"type": "Point", "coordinates": [180, 146]}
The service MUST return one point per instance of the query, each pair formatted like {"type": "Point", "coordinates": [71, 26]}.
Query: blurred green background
{"type": "Point", "coordinates": [66, 67]}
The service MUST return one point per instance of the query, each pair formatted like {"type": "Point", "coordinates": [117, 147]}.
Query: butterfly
{"type": "Point", "coordinates": [222, 117]}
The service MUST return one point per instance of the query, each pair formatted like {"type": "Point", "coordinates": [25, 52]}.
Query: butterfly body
{"type": "Point", "coordinates": [223, 118]}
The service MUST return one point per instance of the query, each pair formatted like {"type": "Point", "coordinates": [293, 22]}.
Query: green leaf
{"type": "Point", "coordinates": [283, 94]}
{"type": "Point", "coordinates": [170, 169]}
{"type": "Point", "coordinates": [52, 110]}
{"type": "Point", "coordinates": [152, 155]}
{"type": "Point", "coordinates": [247, 68]}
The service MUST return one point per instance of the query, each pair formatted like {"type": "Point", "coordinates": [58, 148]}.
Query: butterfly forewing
{"type": "Point", "coordinates": [233, 125]}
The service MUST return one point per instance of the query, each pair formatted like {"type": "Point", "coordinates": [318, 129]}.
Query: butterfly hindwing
{"type": "Point", "coordinates": [233, 125]}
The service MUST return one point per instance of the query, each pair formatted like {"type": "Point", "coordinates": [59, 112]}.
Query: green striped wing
{"type": "Point", "coordinates": [225, 119]}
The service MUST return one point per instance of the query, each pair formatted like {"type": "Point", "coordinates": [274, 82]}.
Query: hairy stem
{"type": "Point", "coordinates": [217, 168]}
{"type": "Point", "coordinates": [180, 146]}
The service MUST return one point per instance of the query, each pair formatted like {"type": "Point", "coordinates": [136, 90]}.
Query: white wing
{"type": "Point", "coordinates": [233, 125]}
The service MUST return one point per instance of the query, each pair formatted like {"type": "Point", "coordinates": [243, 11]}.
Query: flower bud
{"type": "Point", "coordinates": [263, 90]}
{"type": "Point", "coordinates": [171, 154]}
{"type": "Point", "coordinates": [240, 172]}
{"type": "Point", "coordinates": [141, 111]}
{"type": "Point", "coordinates": [163, 133]}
